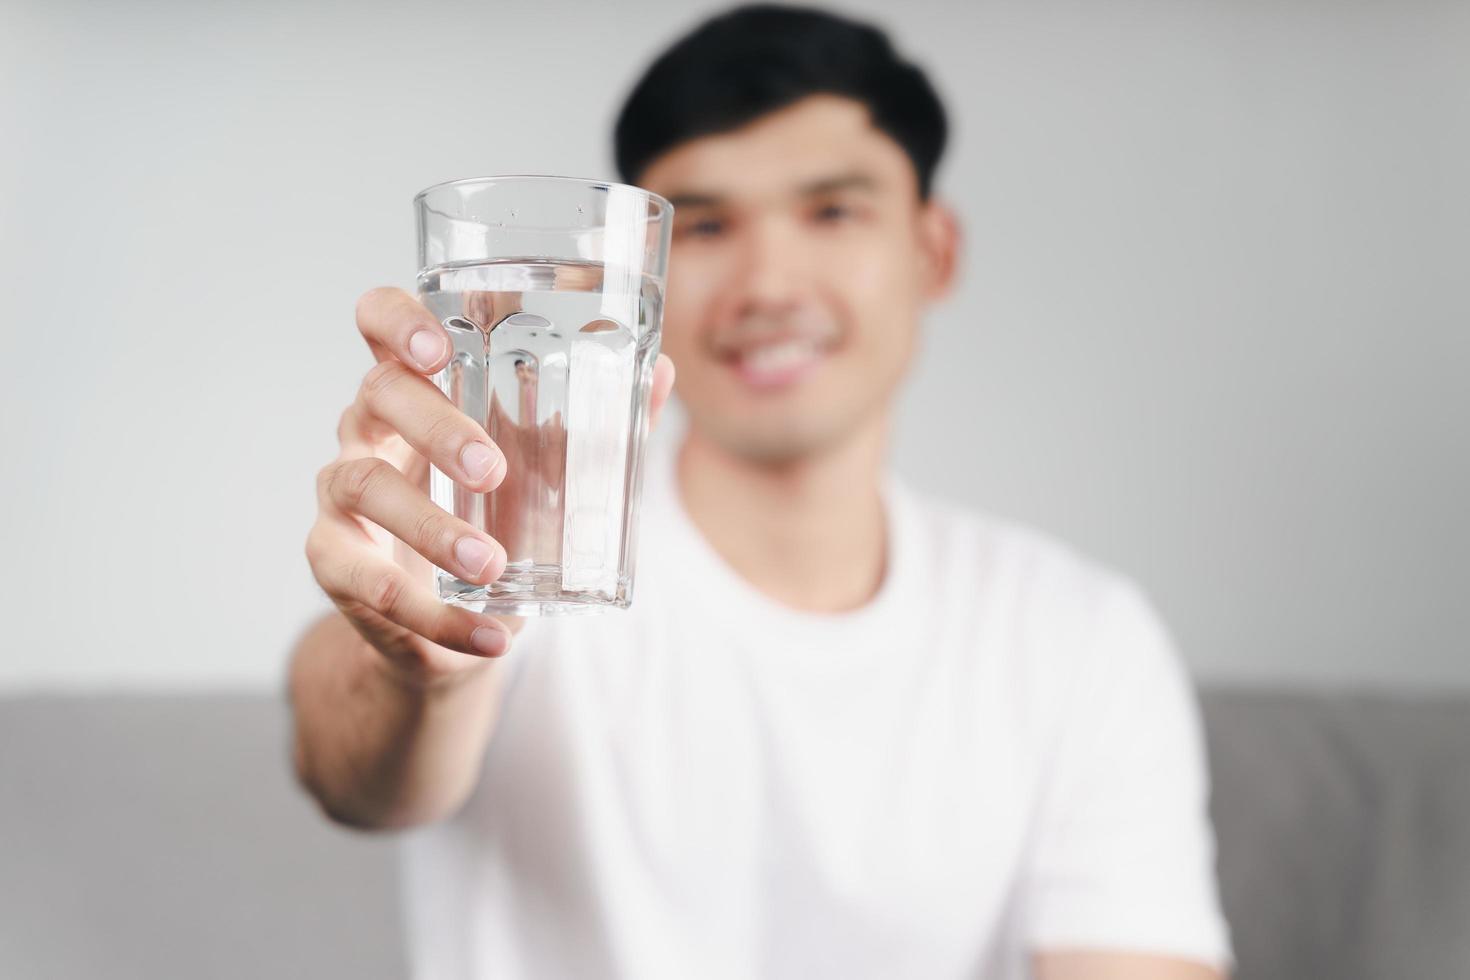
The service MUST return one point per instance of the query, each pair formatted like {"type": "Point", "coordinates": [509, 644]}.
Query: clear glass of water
{"type": "Point", "coordinates": [551, 289]}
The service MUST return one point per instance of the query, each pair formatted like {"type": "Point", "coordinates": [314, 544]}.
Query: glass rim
{"type": "Point", "coordinates": [665, 207]}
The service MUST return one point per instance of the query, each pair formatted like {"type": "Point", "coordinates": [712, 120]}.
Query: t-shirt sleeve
{"type": "Point", "coordinates": [1123, 853]}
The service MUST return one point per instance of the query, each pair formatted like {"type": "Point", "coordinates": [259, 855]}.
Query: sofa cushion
{"type": "Point", "coordinates": [162, 836]}
{"type": "Point", "coordinates": [1344, 830]}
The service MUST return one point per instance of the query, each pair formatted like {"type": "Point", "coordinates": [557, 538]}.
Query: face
{"type": "Point", "coordinates": [802, 260]}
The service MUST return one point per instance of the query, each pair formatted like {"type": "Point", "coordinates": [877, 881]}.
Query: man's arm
{"type": "Point", "coordinates": [379, 748]}
{"type": "Point", "coordinates": [1099, 965]}
{"type": "Point", "coordinates": [1121, 874]}
{"type": "Point", "coordinates": [395, 695]}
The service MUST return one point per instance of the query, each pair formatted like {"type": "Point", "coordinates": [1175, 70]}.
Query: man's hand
{"type": "Point", "coordinates": [1108, 965]}
{"type": "Point", "coordinates": [374, 495]}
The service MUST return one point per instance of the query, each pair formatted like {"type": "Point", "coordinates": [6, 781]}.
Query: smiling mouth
{"type": "Point", "coordinates": [777, 364]}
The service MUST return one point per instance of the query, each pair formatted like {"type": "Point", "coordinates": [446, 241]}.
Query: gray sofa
{"type": "Point", "coordinates": [162, 837]}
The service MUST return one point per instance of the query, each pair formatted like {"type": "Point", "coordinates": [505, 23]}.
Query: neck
{"type": "Point", "coordinates": [809, 532]}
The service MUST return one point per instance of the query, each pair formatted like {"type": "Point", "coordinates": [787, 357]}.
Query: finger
{"type": "Point", "coordinates": [395, 324]}
{"type": "Point", "coordinates": [415, 408]}
{"type": "Point", "coordinates": [387, 606]}
{"type": "Point", "coordinates": [663, 384]}
{"type": "Point", "coordinates": [359, 432]}
{"type": "Point", "coordinates": [375, 489]}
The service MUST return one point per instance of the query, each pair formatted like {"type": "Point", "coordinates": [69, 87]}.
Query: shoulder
{"type": "Point", "coordinates": [1032, 567]}
{"type": "Point", "coordinates": [1063, 611]}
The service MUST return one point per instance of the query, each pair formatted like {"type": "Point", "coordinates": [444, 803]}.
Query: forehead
{"type": "Point", "coordinates": [814, 139]}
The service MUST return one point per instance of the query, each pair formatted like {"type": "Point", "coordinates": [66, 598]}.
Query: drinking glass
{"type": "Point", "coordinates": [551, 290]}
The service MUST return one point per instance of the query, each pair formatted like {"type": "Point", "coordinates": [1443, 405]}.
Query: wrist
{"type": "Point", "coordinates": [425, 680]}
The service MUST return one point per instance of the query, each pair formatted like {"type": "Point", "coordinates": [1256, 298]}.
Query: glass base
{"type": "Point", "coordinates": [530, 591]}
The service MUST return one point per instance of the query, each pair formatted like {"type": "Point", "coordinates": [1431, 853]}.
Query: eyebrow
{"type": "Point", "coordinates": [822, 185]}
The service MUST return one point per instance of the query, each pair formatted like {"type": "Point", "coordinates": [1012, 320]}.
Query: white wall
{"type": "Point", "coordinates": [1214, 329]}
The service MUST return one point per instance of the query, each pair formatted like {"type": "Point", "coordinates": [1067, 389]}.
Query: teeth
{"type": "Point", "coordinates": [779, 357]}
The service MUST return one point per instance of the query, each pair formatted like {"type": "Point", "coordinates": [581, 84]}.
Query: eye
{"type": "Point", "coordinates": [704, 228]}
{"type": "Point", "coordinates": [833, 213]}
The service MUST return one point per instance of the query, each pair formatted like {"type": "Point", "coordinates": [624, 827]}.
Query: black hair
{"type": "Point", "coordinates": [757, 58]}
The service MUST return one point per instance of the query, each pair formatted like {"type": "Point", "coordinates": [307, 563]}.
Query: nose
{"type": "Point", "coordinates": [772, 267]}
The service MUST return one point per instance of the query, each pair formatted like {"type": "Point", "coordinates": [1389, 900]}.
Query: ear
{"type": "Point", "coordinates": [940, 238]}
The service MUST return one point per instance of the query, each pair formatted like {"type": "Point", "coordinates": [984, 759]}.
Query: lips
{"type": "Point", "coordinates": [777, 363]}
{"type": "Point", "coordinates": [769, 351]}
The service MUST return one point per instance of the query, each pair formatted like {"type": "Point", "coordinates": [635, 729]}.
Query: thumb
{"type": "Point", "coordinates": [663, 383]}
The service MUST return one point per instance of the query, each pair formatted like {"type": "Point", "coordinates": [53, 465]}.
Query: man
{"type": "Point", "coordinates": [846, 729]}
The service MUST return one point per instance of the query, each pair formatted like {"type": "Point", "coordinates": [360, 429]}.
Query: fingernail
{"type": "Point", "coordinates": [478, 460]}
{"type": "Point", "coordinates": [425, 346]}
{"type": "Point", "coordinates": [473, 555]}
{"type": "Point", "coordinates": [489, 641]}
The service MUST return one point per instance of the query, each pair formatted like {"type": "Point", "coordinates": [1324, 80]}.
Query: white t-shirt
{"type": "Point", "coordinates": [1000, 752]}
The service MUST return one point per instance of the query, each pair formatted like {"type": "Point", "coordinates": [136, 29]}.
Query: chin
{"type": "Point", "coordinates": [773, 442]}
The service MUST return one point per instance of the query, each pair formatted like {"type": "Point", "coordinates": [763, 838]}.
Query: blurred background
{"type": "Point", "coordinates": [1213, 329]}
